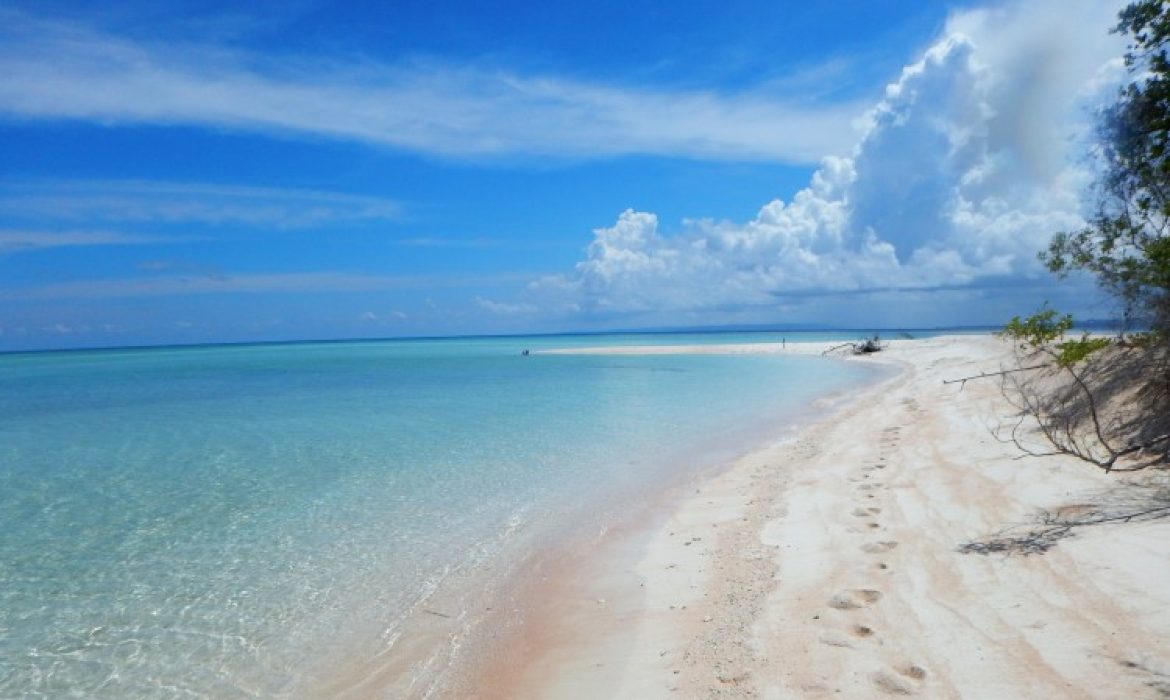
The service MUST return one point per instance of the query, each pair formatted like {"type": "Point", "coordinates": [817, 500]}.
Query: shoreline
{"type": "Point", "coordinates": [578, 644]}
{"type": "Point", "coordinates": [459, 627]}
{"type": "Point", "coordinates": [576, 576]}
{"type": "Point", "coordinates": [826, 564]}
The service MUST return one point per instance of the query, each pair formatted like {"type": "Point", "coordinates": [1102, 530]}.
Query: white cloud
{"type": "Point", "coordinates": [199, 284]}
{"type": "Point", "coordinates": [383, 319]}
{"type": "Point", "coordinates": [136, 201]}
{"type": "Point", "coordinates": [967, 166]}
{"type": "Point", "coordinates": [57, 71]}
{"type": "Point", "coordinates": [505, 308]}
{"type": "Point", "coordinates": [22, 240]}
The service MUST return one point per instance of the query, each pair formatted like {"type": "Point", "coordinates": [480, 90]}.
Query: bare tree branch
{"type": "Point", "coordinates": [962, 381]}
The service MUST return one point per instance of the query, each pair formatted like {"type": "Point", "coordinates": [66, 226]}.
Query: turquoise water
{"type": "Point", "coordinates": [200, 522]}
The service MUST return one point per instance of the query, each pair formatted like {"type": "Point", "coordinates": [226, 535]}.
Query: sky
{"type": "Point", "coordinates": [182, 172]}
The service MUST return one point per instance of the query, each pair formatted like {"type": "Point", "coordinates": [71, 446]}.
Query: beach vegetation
{"type": "Point", "coordinates": [1093, 397]}
{"type": "Point", "coordinates": [1039, 329]}
{"type": "Point", "coordinates": [1045, 330]}
{"type": "Point", "coordinates": [1102, 399]}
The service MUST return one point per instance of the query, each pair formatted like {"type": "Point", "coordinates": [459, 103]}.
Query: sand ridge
{"type": "Point", "coordinates": [828, 566]}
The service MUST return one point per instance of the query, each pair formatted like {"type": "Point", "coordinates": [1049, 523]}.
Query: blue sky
{"type": "Point", "coordinates": [180, 172]}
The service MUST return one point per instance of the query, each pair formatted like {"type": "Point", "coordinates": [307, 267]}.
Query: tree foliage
{"type": "Point", "coordinates": [1039, 329]}
{"type": "Point", "coordinates": [1126, 243]}
{"type": "Point", "coordinates": [1042, 330]}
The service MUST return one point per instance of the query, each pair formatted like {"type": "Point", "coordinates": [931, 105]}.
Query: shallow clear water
{"type": "Point", "coordinates": [196, 522]}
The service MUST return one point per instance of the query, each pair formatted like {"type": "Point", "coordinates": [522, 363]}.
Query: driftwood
{"type": "Point", "coordinates": [864, 347]}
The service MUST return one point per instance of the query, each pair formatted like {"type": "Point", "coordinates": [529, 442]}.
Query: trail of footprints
{"type": "Point", "coordinates": [905, 679]}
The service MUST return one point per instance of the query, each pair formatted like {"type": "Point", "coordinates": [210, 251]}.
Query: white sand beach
{"type": "Point", "coordinates": [829, 565]}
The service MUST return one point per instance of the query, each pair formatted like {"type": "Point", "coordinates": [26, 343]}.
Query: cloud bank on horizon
{"type": "Point", "coordinates": [967, 166]}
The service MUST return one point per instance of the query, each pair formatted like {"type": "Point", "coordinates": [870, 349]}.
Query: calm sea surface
{"type": "Point", "coordinates": [203, 522]}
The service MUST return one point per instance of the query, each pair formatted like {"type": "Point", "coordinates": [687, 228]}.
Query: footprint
{"type": "Point", "coordinates": [862, 631]}
{"type": "Point", "coordinates": [912, 671]}
{"type": "Point", "coordinates": [912, 676]}
{"type": "Point", "coordinates": [835, 640]}
{"type": "Point", "coordinates": [891, 684]}
{"type": "Point", "coordinates": [876, 547]}
{"type": "Point", "coordinates": [855, 598]}
{"type": "Point", "coordinates": [862, 512]}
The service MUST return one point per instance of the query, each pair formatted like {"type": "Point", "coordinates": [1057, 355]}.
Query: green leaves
{"type": "Point", "coordinates": [1041, 330]}
{"type": "Point", "coordinates": [1071, 352]}
{"type": "Point", "coordinates": [1126, 244]}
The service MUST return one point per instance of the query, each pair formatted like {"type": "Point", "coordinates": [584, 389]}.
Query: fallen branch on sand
{"type": "Point", "coordinates": [867, 346]}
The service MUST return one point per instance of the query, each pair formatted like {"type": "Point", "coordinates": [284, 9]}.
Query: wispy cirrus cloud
{"type": "Point", "coordinates": [141, 201]}
{"type": "Point", "coordinates": [498, 307]}
{"type": "Point", "coordinates": [24, 240]}
{"type": "Point", "coordinates": [247, 283]}
{"type": "Point", "coordinates": [63, 71]}
{"type": "Point", "coordinates": [446, 242]}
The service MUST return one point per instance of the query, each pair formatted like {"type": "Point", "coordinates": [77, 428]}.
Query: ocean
{"type": "Point", "coordinates": [234, 521]}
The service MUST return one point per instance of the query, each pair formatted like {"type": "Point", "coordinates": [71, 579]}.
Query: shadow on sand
{"type": "Point", "coordinates": [1137, 500]}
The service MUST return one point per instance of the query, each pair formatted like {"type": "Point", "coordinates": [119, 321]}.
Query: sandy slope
{"type": "Point", "coordinates": [828, 566]}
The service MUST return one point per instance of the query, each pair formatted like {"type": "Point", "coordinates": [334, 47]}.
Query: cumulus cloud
{"type": "Point", "coordinates": [967, 166]}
